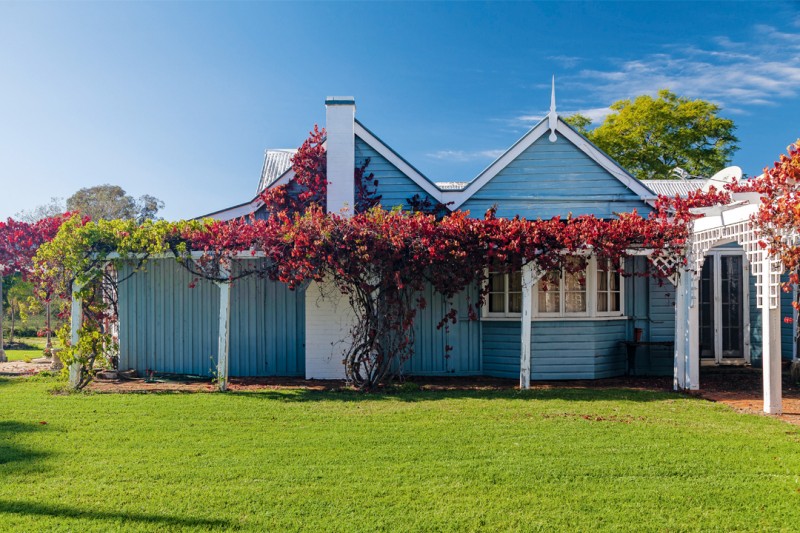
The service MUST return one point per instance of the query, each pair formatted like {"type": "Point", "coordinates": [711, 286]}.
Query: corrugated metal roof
{"type": "Point", "coordinates": [452, 185]}
{"type": "Point", "coordinates": [276, 163]}
{"type": "Point", "coordinates": [673, 187]}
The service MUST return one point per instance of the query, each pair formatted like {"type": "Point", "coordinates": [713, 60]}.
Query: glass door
{"type": "Point", "coordinates": [722, 298]}
{"type": "Point", "coordinates": [706, 301]}
{"type": "Point", "coordinates": [731, 307]}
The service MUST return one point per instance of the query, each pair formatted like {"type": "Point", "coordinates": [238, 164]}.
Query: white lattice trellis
{"type": "Point", "coordinates": [667, 263]}
{"type": "Point", "coordinates": [746, 235]}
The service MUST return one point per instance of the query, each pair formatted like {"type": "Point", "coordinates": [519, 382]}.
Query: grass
{"type": "Point", "coordinates": [26, 348]}
{"type": "Point", "coordinates": [560, 459]}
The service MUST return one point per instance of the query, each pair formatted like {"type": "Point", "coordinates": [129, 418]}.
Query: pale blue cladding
{"type": "Point", "coordinates": [267, 327]}
{"type": "Point", "coordinates": [787, 329]}
{"type": "Point", "coordinates": [169, 327]}
{"type": "Point", "coordinates": [394, 187]}
{"type": "Point", "coordinates": [554, 179]}
{"type": "Point", "coordinates": [430, 354]}
{"type": "Point", "coordinates": [165, 325]}
{"type": "Point", "coordinates": [576, 349]}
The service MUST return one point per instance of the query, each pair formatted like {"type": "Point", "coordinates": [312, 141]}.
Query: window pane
{"type": "Point", "coordinates": [615, 302]}
{"type": "Point", "coordinates": [602, 280]}
{"type": "Point", "coordinates": [575, 302]}
{"type": "Point", "coordinates": [575, 288]}
{"type": "Point", "coordinates": [497, 302]}
{"type": "Point", "coordinates": [549, 296]}
{"type": "Point", "coordinates": [602, 302]}
{"type": "Point", "coordinates": [515, 281]}
{"type": "Point", "coordinates": [614, 285]}
{"type": "Point", "coordinates": [549, 302]}
{"type": "Point", "coordinates": [515, 302]}
{"type": "Point", "coordinates": [497, 282]}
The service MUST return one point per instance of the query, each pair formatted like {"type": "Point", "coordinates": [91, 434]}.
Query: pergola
{"type": "Point", "coordinates": [717, 226]}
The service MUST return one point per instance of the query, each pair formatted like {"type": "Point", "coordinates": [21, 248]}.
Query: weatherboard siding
{"type": "Point", "coordinates": [574, 349]}
{"type": "Point", "coordinates": [658, 360]}
{"type": "Point", "coordinates": [430, 354]}
{"type": "Point", "coordinates": [165, 325]}
{"type": "Point", "coordinates": [169, 327]}
{"type": "Point", "coordinates": [554, 179]}
{"type": "Point", "coordinates": [267, 328]}
{"type": "Point", "coordinates": [787, 330]}
{"type": "Point", "coordinates": [394, 187]}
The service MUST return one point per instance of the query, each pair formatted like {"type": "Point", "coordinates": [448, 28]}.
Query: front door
{"type": "Point", "coordinates": [723, 308]}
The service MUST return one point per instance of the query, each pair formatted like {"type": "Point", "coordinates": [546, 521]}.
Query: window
{"type": "Point", "coordinates": [586, 288]}
{"type": "Point", "coordinates": [609, 293]}
{"type": "Point", "coordinates": [505, 294]}
{"type": "Point", "coordinates": [564, 292]}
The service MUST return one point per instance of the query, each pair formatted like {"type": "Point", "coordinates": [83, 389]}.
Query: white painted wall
{"type": "Point", "coordinates": [328, 322]}
{"type": "Point", "coordinates": [340, 113]}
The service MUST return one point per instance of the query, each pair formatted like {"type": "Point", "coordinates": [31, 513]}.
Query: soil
{"type": "Point", "coordinates": [21, 368]}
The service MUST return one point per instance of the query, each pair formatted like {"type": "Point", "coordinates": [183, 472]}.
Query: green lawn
{"type": "Point", "coordinates": [561, 459]}
{"type": "Point", "coordinates": [35, 349]}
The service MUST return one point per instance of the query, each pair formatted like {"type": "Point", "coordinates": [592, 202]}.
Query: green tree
{"type": "Point", "coordinates": [51, 209]}
{"type": "Point", "coordinates": [580, 122]}
{"type": "Point", "coordinates": [18, 296]}
{"type": "Point", "coordinates": [651, 136]}
{"type": "Point", "coordinates": [110, 202]}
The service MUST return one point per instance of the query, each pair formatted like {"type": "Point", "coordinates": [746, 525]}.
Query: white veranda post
{"type": "Point", "coordinates": [681, 319]}
{"type": "Point", "coordinates": [3, 358]}
{"type": "Point", "coordinates": [223, 341]}
{"type": "Point", "coordinates": [687, 331]}
{"type": "Point", "coordinates": [771, 339]}
{"type": "Point", "coordinates": [530, 275]}
{"type": "Point", "coordinates": [76, 320]}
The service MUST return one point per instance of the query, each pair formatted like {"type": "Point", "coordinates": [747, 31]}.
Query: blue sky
{"type": "Point", "coordinates": [179, 100]}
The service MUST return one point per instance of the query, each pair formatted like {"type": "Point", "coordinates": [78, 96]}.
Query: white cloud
{"type": "Point", "coordinates": [734, 74]}
{"type": "Point", "coordinates": [595, 114]}
{"type": "Point", "coordinates": [463, 155]}
{"type": "Point", "coordinates": [566, 61]}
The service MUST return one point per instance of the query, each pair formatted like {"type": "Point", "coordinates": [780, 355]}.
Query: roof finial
{"type": "Point", "coordinates": [552, 117]}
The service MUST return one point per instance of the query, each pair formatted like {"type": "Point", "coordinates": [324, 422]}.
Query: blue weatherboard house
{"type": "Point", "coordinates": [603, 327]}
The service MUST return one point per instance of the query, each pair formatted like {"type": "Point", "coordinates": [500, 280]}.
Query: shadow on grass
{"type": "Point", "coordinates": [560, 394]}
{"type": "Point", "coordinates": [12, 454]}
{"type": "Point", "coordinates": [65, 511]}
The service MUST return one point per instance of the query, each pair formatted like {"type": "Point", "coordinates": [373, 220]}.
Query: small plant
{"type": "Point", "coordinates": [408, 386]}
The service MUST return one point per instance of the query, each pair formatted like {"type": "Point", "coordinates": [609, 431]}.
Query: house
{"type": "Point", "coordinates": [577, 330]}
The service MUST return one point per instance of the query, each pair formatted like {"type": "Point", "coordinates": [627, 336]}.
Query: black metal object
{"type": "Point", "coordinates": [630, 348]}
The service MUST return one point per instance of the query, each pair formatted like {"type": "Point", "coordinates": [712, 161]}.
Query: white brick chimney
{"type": "Point", "coordinates": [340, 113]}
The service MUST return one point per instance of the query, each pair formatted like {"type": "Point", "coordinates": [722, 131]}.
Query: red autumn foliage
{"type": "Point", "coordinates": [310, 183]}
{"type": "Point", "coordinates": [20, 240]}
{"type": "Point", "coordinates": [778, 217]}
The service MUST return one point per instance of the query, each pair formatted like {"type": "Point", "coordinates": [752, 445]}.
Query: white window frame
{"type": "Point", "coordinates": [609, 292]}
{"type": "Point", "coordinates": [506, 297]}
{"type": "Point", "coordinates": [591, 299]}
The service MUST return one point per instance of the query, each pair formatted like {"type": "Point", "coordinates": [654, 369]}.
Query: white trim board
{"type": "Point", "coordinates": [458, 198]}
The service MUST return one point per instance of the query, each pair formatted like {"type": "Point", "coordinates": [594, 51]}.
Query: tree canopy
{"type": "Point", "coordinates": [650, 136]}
{"type": "Point", "coordinates": [110, 202]}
